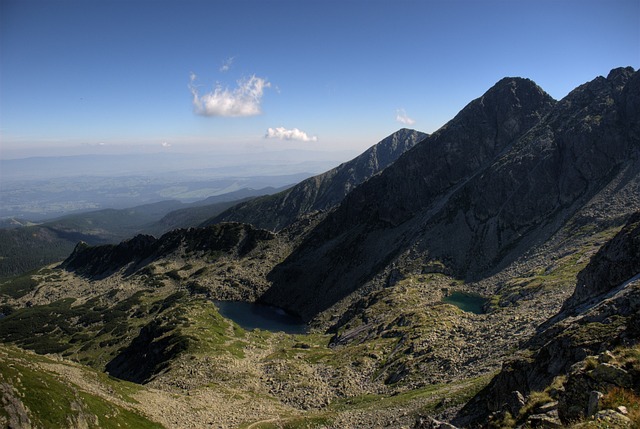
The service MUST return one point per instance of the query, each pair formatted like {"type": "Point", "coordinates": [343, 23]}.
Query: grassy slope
{"type": "Point", "coordinates": [38, 395]}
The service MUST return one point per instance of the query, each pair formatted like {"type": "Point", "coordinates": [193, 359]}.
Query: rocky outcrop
{"type": "Point", "coordinates": [581, 396]}
{"type": "Point", "coordinates": [17, 414]}
{"type": "Point", "coordinates": [611, 322]}
{"type": "Point", "coordinates": [617, 262]}
{"type": "Point", "coordinates": [323, 191]}
{"type": "Point", "coordinates": [431, 423]}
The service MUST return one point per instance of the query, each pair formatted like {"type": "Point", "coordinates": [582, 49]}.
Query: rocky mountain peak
{"type": "Point", "coordinates": [620, 76]}
{"type": "Point", "coordinates": [512, 104]}
{"type": "Point", "coordinates": [516, 87]}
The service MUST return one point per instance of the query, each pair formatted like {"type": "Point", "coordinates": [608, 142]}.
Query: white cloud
{"type": "Point", "coordinates": [401, 116]}
{"type": "Point", "coordinates": [242, 101]}
{"type": "Point", "coordinates": [166, 144]}
{"type": "Point", "coordinates": [226, 64]}
{"type": "Point", "coordinates": [285, 134]}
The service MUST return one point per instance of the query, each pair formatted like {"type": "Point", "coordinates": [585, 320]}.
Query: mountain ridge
{"type": "Point", "coordinates": [323, 191]}
{"type": "Point", "coordinates": [416, 180]}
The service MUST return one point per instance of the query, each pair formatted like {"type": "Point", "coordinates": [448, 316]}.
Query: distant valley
{"type": "Point", "coordinates": [37, 189]}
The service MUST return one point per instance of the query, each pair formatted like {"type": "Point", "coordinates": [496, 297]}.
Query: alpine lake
{"type": "Point", "coordinates": [465, 301]}
{"type": "Point", "coordinates": [252, 316]}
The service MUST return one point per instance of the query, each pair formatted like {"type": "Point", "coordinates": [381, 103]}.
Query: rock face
{"type": "Point", "coordinates": [611, 321]}
{"type": "Point", "coordinates": [617, 262]}
{"type": "Point", "coordinates": [323, 191]}
{"type": "Point", "coordinates": [504, 175]}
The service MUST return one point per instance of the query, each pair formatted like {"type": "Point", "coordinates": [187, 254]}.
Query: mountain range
{"type": "Point", "coordinates": [523, 203]}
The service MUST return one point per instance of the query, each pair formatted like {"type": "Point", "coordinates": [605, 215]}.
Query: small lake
{"type": "Point", "coordinates": [469, 302]}
{"type": "Point", "coordinates": [252, 316]}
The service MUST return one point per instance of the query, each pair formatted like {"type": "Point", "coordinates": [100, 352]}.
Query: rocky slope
{"type": "Point", "coordinates": [323, 191]}
{"type": "Point", "coordinates": [506, 174]}
{"type": "Point", "coordinates": [602, 315]}
{"type": "Point", "coordinates": [616, 262]}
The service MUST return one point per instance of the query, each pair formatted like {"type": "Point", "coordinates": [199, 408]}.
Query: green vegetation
{"type": "Point", "coordinates": [18, 287]}
{"type": "Point", "coordinates": [534, 400]}
{"type": "Point", "coordinates": [619, 396]}
{"type": "Point", "coordinates": [292, 423]}
{"type": "Point", "coordinates": [28, 248]}
{"type": "Point", "coordinates": [212, 334]}
{"type": "Point", "coordinates": [93, 332]}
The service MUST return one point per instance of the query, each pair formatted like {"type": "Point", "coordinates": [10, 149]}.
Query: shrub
{"type": "Point", "coordinates": [618, 396]}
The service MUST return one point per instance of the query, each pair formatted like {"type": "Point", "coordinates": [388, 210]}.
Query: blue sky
{"type": "Point", "coordinates": [124, 76]}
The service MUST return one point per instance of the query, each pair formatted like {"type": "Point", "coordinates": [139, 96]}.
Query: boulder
{"type": "Point", "coordinates": [612, 374]}
{"type": "Point", "coordinates": [594, 402]}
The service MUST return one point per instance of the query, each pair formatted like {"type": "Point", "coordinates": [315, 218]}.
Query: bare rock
{"type": "Point", "coordinates": [617, 261]}
{"type": "Point", "coordinates": [13, 406]}
{"type": "Point", "coordinates": [515, 403]}
{"type": "Point", "coordinates": [549, 420]}
{"type": "Point", "coordinates": [612, 374]}
{"type": "Point", "coordinates": [613, 419]}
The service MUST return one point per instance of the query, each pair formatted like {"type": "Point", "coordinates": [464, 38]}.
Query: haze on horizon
{"type": "Point", "coordinates": [240, 76]}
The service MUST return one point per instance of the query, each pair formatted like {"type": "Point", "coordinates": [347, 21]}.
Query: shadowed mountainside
{"type": "Point", "coordinates": [101, 261]}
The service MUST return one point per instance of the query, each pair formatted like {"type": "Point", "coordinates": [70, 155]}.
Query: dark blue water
{"type": "Point", "coordinates": [255, 316]}
{"type": "Point", "coordinates": [469, 302]}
